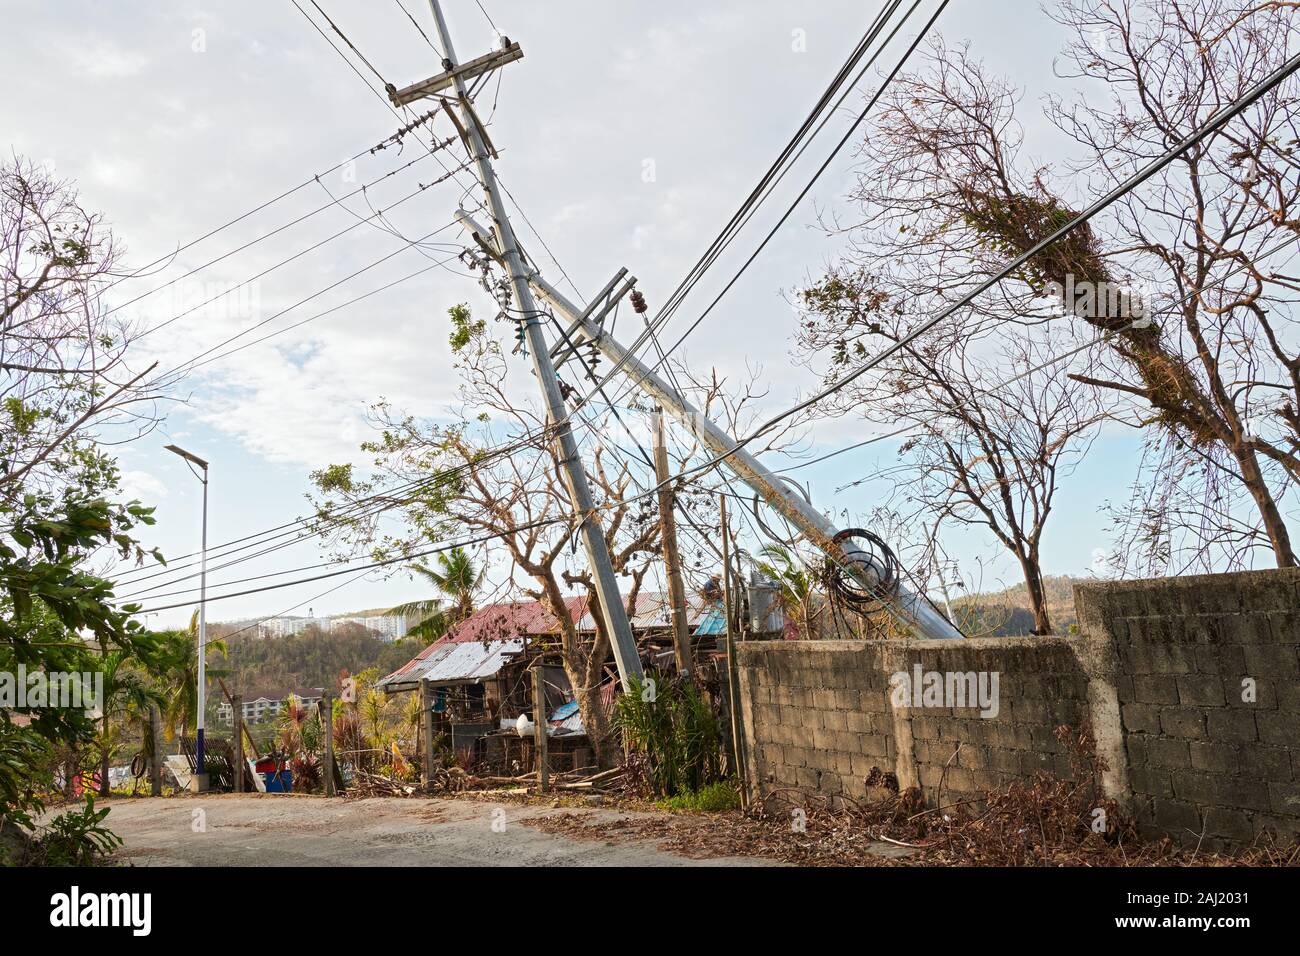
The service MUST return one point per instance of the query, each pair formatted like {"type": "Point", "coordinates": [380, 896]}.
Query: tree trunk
{"type": "Point", "coordinates": [1037, 597]}
{"type": "Point", "coordinates": [583, 667]}
{"type": "Point", "coordinates": [1274, 525]}
{"type": "Point", "coordinates": [105, 788]}
{"type": "Point", "coordinates": [70, 765]}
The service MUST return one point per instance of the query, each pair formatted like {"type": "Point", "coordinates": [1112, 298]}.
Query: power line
{"type": "Point", "coordinates": [301, 322]}
{"type": "Point", "coordinates": [419, 28]}
{"type": "Point", "coordinates": [783, 162]}
{"type": "Point", "coordinates": [420, 188]}
{"type": "Point", "coordinates": [238, 219]}
{"type": "Point", "coordinates": [817, 175]}
{"type": "Point", "coordinates": [264, 236]}
{"type": "Point", "coordinates": [1242, 102]}
{"type": "Point", "coordinates": [352, 66]}
{"type": "Point", "coordinates": [191, 363]}
{"type": "Point", "coordinates": [352, 46]}
{"type": "Point", "coordinates": [1047, 363]}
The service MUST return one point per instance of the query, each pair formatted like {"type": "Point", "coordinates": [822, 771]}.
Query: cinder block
{"type": "Point", "coordinates": [1215, 757]}
{"type": "Point", "coordinates": [1285, 626]}
{"type": "Point", "coordinates": [1220, 790]}
{"type": "Point", "coordinates": [1277, 662]}
{"type": "Point", "coordinates": [1031, 762]}
{"type": "Point", "coordinates": [1006, 761]}
{"type": "Point", "coordinates": [1270, 763]}
{"type": "Point", "coordinates": [1232, 725]}
{"type": "Point", "coordinates": [1200, 690]}
{"type": "Point", "coordinates": [1168, 754]}
{"type": "Point", "coordinates": [1177, 817]}
{"type": "Point", "coordinates": [1226, 660]}
{"type": "Point", "coordinates": [1140, 718]}
{"type": "Point", "coordinates": [1285, 798]}
{"type": "Point", "coordinates": [872, 745]}
{"type": "Point", "coordinates": [1029, 711]}
{"type": "Point", "coordinates": [1278, 727]}
{"type": "Point", "coordinates": [1185, 723]}
{"type": "Point", "coordinates": [1151, 780]}
{"type": "Point", "coordinates": [1124, 691]}
{"type": "Point", "coordinates": [1155, 689]}
{"type": "Point", "coordinates": [1229, 824]}
{"type": "Point", "coordinates": [835, 720]}
{"type": "Point", "coordinates": [973, 757]}
{"type": "Point", "coordinates": [1263, 693]}
{"type": "Point", "coordinates": [1247, 629]}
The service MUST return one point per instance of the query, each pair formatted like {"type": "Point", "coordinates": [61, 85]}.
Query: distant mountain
{"type": "Point", "coordinates": [1006, 613]}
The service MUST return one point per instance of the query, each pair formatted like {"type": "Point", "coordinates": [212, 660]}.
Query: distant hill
{"type": "Point", "coordinates": [1006, 613]}
{"type": "Point", "coordinates": [311, 658]}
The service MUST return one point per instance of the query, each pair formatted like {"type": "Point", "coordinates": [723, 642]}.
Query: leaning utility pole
{"type": "Point", "coordinates": [838, 544]}
{"type": "Point", "coordinates": [672, 561]}
{"type": "Point", "coordinates": [613, 613]}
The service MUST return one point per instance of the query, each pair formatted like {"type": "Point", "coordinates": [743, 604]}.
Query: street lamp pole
{"type": "Point", "coordinates": [203, 611]}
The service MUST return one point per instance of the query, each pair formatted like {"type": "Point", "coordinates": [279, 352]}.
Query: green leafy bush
{"type": "Point", "coordinates": [673, 733]}
{"type": "Point", "coordinates": [75, 838]}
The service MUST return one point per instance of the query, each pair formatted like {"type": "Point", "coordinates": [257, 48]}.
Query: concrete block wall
{"type": "Point", "coordinates": [817, 720]}
{"type": "Point", "coordinates": [1208, 685]}
{"type": "Point", "coordinates": [1158, 668]}
{"type": "Point", "coordinates": [818, 715]}
{"type": "Point", "coordinates": [1041, 686]}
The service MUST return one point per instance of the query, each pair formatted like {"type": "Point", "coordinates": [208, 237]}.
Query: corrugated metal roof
{"type": "Point", "coordinates": [455, 661]}
{"type": "Point", "coordinates": [712, 622]}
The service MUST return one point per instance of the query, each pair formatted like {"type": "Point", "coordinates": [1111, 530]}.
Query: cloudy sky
{"type": "Point", "coordinates": [175, 116]}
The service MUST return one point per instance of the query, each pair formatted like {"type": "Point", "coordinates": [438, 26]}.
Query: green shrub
{"type": "Point", "coordinates": [670, 726]}
{"type": "Point", "coordinates": [75, 838]}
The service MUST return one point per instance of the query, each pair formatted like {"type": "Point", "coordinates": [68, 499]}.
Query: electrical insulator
{"type": "Point", "coordinates": [521, 339]}
{"type": "Point", "coordinates": [638, 302]}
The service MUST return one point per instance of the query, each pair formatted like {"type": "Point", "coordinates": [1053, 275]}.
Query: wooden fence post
{"type": "Point", "coordinates": [426, 732]}
{"type": "Point", "coordinates": [539, 729]}
{"type": "Point", "coordinates": [327, 720]}
{"type": "Point", "coordinates": [237, 706]}
{"type": "Point", "coordinates": [155, 764]}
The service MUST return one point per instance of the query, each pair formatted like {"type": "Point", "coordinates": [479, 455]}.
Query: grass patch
{"type": "Point", "coordinates": [713, 798]}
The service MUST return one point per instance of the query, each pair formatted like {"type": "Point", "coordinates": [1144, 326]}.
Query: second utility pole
{"type": "Point", "coordinates": [672, 560]}
{"type": "Point", "coordinates": [613, 613]}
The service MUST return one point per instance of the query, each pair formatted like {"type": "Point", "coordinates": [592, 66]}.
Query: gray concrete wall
{"type": "Point", "coordinates": [1158, 668]}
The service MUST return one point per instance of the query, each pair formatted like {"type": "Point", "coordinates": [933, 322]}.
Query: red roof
{"type": "Point", "coordinates": [500, 622]}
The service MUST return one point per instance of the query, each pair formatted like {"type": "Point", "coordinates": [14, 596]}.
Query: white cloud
{"type": "Point", "coordinates": [142, 486]}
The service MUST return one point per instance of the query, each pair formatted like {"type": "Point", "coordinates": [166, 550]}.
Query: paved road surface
{"type": "Point", "coordinates": [261, 830]}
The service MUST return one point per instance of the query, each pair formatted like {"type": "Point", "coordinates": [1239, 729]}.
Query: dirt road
{"type": "Point", "coordinates": [276, 830]}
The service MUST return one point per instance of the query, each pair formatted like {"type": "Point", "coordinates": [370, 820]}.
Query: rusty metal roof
{"type": "Point", "coordinates": [491, 635]}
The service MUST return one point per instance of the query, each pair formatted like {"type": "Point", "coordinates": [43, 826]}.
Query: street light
{"type": "Point", "coordinates": [191, 460]}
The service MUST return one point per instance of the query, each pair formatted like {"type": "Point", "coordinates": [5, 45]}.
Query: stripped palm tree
{"type": "Point", "coordinates": [458, 581]}
{"type": "Point", "coordinates": [798, 586]}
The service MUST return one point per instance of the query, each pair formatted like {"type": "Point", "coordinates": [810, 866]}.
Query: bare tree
{"type": "Point", "coordinates": [517, 499]}
{"type": "Point", "coordinates": [64, 371]}
{"type": "Point", "coordinates": [987, 432]}
{"type": "Point", "coordinates": [1183, 283]}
